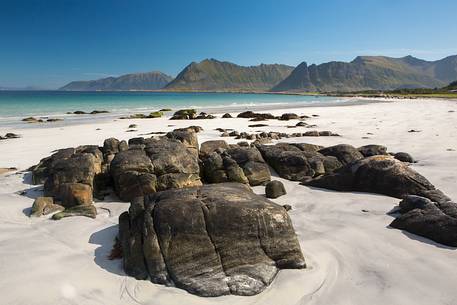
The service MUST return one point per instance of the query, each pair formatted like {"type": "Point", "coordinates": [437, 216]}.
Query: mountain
{"type": "Point", "coordinates": [214, 75]}
{"type": "Point", "coordinates": [451, 87]}
{"type": "Point", "coordinates": [136, 81]}
{"type": "Point", "coordinates": [371, 73]}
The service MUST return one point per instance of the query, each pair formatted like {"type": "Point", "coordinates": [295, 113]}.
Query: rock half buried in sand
{"type": "Point", "coordinates": [79, 210]}
{"type": "Point", "coordinates": [434, 220]}
{"type": "Point", "coordinates": [211, 240]}
{"type": "Point", "coordinates": [381, 175]}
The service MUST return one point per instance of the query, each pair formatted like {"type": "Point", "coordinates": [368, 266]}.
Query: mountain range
{"type": "Point", "coordinates": [135, 81]}
{"type": "Point", "coordinates": [371, 73]}
{"type": "Point", "coordinates": [363, 73]}
{"type": "Point", "coordinates": [214, 75]}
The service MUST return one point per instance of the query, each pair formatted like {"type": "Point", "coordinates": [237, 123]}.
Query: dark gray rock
{"type": "Point", "coordinates": [212, 240]}
{"type": "Point", "coordinates": [434, 220]}
{"type": "Point", "coordinates": [287, 160]}
{"type": "Point", "coordinates": [404, 157]}
{"type": "Point", "coordinates": [133, 174]}
{"type": "Point", "coordinates": [184, 114]}
{"type": "Point", "coordinates": [187, 136]}
{"type": "Point", "coordinates": [79, 210]}
{"type": "Point", "coordinates": [236, 163]}
{"type": "Point", "coordinates": [289, 116]}
{"type": "Point", "coordinates": [208, 147]}
{"type": "Point", "coordinates": [256, 116]}
{"type": "Point", "coordinates": [343, 152]}
{"type": "Point", "coordinates": [372, 150]}
{"type": "Point", "coordinates": [274, 189]}
{"type": "Point", "coordinates": [381, 175]}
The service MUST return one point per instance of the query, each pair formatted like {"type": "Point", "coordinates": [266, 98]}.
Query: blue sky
{"type": "Point", "coordinates": [48, 43]}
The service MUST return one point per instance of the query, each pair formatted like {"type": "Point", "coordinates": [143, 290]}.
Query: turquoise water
{"type": "Point", "coordinates": [15, 105]}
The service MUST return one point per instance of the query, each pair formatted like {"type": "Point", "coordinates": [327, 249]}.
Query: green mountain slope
{"type": "Point", "coordinates": [137, 81]}
{"type": "Point", "coordinates": [371, 73]}
{"type": "Point", "coordinates": [214, 75]}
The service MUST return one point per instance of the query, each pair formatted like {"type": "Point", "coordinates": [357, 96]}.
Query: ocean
{"type": "Point", "coordinates": [16, 105]}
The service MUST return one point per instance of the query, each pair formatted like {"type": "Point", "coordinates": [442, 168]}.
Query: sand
{"type": "Point", "coordinates": [353, 256]}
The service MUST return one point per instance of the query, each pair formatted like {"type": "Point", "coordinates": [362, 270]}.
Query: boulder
{"type": "Point", "coordinates": [79, 168]}
{"type": "Point", "coordinates": [213, 240]}
{"type": "Point", "coordinates": [343, 152]}
{"type": "Point", "coordinates": [71, 194]}
{"type": "Point", "coordinates": [257, 116]}
{"type": "Point", "coordinates": [227, 116]}
{"type": "Point", "coordinates": [44, 206]}
{"type": "Point", "coordinates": [187, 136]}
{"type": "Point", "coordinates": [41, 171]}
{"type": "Point", "coordinates": [404, 157]}
{"type": "Point", "coordinates": [275, 189]}
{"type": "Point", "coordinates": [132, 172]}
{"type": "Point", "coordinates": [381, 175]}
{"type": "Point", "coordinates": [288, 161]}
{"type": "Point", "coordinates": [289, 116]}
{"type": "Point", "coordinates": [434, 220]}
{"type": "Point", "coordinates": [184, 114]}
{"type": "Point", "coordinates": [372, 150]}
{"type": "Point", "coordinates": [236, 163]}
{"type": "Point", "coordinates": [208, 147]}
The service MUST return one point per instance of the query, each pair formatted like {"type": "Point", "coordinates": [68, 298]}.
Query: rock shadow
{"type": "Point", "coordinates": [422, 239]}
{"type": "Point", "coordinates": [105, 239]}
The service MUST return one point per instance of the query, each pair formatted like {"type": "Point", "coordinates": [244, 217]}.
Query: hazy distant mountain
{"type": "Point", "coordinates": [371, 73]}
{"type": "Point", "coordinates": [451, 87]}
{"type": "Point", "coordinates": [28, 88]}
{"type": "Point", "coordinates": [214, 75]}
{"type": "Point", "coordinates": [136, 81]}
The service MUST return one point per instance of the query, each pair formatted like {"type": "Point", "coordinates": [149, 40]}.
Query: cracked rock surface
{"type": "Point", "coordinates": [212, 240]}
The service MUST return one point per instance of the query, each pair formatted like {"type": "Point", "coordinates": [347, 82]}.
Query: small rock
{"type": "Point", "coordinates": [44, 206]}
{"type": "Point", "coordinates": [274, 189]}
{"type": "Point", "coordinates": [289, 116]}
{"type": "Point", "coordinates": [287, 207]}
{"type": "Point", "coordinates": [404, 157]}
{"type": "Point", "coordinates": [99, 111]}
{"type": "Point", "coordinates": [227, 116]}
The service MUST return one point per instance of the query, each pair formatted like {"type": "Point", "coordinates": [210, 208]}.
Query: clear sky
{"type": "Point", "coordinates": [48, 43]}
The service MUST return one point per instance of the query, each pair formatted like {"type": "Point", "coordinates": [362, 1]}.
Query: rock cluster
{"type": "Point", "coordinates": [268, 136]}
{"type": "Point", "coordinates": [222, 163]}
{"type": "Point", "coordinates": [92, 112]}
{"type": "Point", "coordinates": [254, 116]}
{"type": "Point", "coordinates": [190, 114]}
{"type": "Point", "coordinates": [73, 176]}
{"type": "Point", "coordinates": [235, 242]}
{"type": "Point", "coordinates": [152, 115]}
{"type": "Point", "coordinates": [298, 162]}
{"type": "Point", "coordinates": [40, 120]}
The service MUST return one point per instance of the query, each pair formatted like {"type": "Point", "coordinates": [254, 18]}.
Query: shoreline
{"type": "Point", "coordinates": [74, 119]}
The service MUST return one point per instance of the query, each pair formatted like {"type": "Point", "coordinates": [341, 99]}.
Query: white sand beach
{"type": "Point", "coordinates": [353, 256]}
